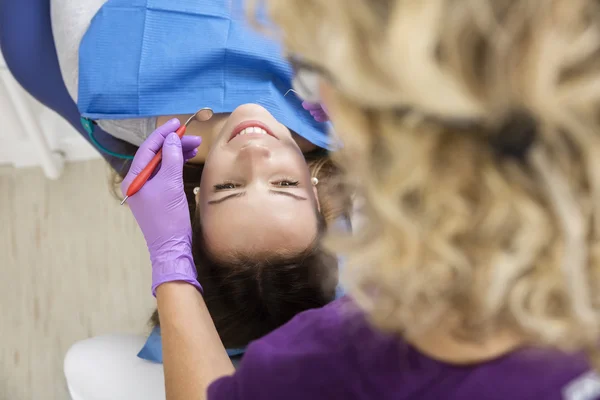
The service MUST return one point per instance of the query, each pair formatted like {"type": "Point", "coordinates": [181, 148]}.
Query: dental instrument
{"type": "Point", "coordinates": [204, 114]}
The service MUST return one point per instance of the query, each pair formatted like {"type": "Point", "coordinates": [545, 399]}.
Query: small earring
{"type": "Point", "coordinates": [196, 190]}
{"type": "Point", "coordinates": [314, 180]}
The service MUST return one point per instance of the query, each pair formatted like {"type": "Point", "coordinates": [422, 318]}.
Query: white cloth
{"type": "Point", "coordinates": [107, 368]}
{"type": "Point", "coordinates": [70, 20]}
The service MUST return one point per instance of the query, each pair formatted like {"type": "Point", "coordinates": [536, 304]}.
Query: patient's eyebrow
{"type": "Point", "coordinates": [289, 194]}
{"type": "Point", "coordinates": [231, 196]}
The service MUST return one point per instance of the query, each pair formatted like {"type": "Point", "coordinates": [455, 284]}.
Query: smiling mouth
{"type": "Point", "coordinates": [253, 128]}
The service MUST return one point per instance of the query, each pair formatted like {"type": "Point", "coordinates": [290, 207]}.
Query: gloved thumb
{"type": "Point", "coordinates": [172, 156]}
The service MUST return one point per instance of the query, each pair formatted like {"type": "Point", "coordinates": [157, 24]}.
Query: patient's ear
{"type": "Point", "coordinates": [316, 192]}
{"type": "Point", "coordinates": [197, 194]}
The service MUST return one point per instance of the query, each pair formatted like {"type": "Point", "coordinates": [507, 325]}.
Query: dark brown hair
{"type": "Point", "coordinates": [248, 297]}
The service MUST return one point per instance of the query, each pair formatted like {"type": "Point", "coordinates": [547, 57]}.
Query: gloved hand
{"type": "Point", "coordinates": [318, 111]}
{"type": "Point", "coordinates": [160, 207]}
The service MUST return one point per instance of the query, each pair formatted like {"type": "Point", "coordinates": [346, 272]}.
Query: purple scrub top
{"type": "Point", "coordinates": [332, 353]}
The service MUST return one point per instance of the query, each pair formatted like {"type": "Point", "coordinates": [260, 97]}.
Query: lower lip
{"type": "Point", "coordinates": [250, 124]}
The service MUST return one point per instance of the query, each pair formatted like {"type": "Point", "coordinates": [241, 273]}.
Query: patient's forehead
{"type": "Point", "coordinates": [260, 234]}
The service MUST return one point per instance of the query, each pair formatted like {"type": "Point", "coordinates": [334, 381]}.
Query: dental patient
{"type": "Point", "coordinates": [261, 188]}
{"type": "Point", "coordinates": [259, 207]}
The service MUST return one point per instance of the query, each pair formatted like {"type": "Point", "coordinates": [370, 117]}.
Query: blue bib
{"type": "Point", "coordinates": [147, 58]}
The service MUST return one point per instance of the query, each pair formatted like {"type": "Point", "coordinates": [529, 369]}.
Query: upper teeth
{"type": "Point", "coordinates": [252, 129]}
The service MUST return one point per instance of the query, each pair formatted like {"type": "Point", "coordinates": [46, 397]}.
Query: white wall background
{"type": "Point", "coordinates": [32, 135]}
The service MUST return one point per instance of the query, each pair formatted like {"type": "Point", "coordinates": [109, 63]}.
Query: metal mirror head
{"type": "Point", "coordinates": [203, 114]}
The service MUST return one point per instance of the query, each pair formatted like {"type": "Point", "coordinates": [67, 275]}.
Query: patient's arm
{"type": "Point", "coordinates": [193, 354]}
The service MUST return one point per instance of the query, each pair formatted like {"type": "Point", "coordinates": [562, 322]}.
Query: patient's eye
{"type": "Point", "coordinates": [286, 183]}
{"type": "Point", "coordinates": [225, 186]}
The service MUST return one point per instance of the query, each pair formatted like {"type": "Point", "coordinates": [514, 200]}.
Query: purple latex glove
{"type": "Point", "coordinates": [318, 111]}
{"type": "Point", "coordinates": [160, 207]}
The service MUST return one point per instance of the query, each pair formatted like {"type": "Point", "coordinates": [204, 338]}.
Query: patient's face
{"type": "Point", "coordinates": [256, 194]}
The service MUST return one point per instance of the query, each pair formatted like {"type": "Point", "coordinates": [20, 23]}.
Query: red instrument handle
{"type": "Point", "coordinates": [143, 177]}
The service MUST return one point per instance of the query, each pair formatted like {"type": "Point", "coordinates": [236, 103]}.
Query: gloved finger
{"type": "Point", "coordinates": [189, 146]}
{"type": "Point", "coordinates": [189, 155]}
{"type": "Point", "coordinates": [148, 150]}
{"type": "Point", "coordinates": [310, 106]}
{"type": "Point", "coordinates": [320, 116]}
{"type": "Point", "coordinates": [189, 143]}
{"type": "Point", "coordinates": [151, 146]}
{"type": "Point", "coordinates": [172, 158]}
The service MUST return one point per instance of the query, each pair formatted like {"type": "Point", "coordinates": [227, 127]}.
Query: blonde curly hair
{"type": "Point", "coordinates": [424, 94]}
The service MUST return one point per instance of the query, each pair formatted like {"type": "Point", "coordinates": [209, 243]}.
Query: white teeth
{"type": "Point", "coordinates": [253, 129]}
